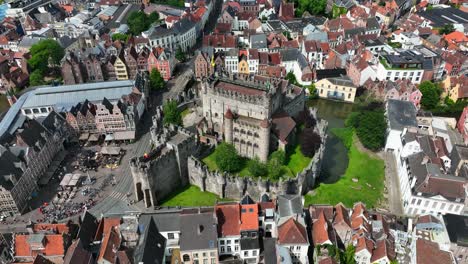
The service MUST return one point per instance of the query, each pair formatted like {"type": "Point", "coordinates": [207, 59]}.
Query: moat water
{"type": "Point", "coordinates": [335, 159]}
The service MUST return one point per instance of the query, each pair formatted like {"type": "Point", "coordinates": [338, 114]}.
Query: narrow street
{"type": "Point", "coordinates": [392, 184]}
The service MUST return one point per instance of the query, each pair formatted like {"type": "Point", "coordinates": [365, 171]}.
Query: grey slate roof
{"type": "Point", "coordinates": [401, 114]}
{"type": "Point", "coordinates": [457, 228]}
{"type": "Point", "coordinates": [289, 204]}
{"type": "Point", "coordinates": [167, 221]}
{"type": "Point", "coordinates": [342, 80]}
{"type": "Point", "coordinates": [198, 231]}
{"type": "Point", "coordinates": [258, 41]}
{"type": "Point", "coordinates": [7, 167]}
{"type": "Point", "coordinates": [349, 33]}
{"type": "Point", "coordinates": [289, 54]}
{"type": "Point", "coordinates": [87, 231]}
{"type": "Point", "coordinates": [269, 250]}
{"type": "Point", "coordinates": [372, 23]}
{"type": "Point", "coordinates": [151, 245]}
{"type": "Point", "coordinates": [249, 243]}
{"type": "Point", "coordinates": [442, 16]}
{"type": "Point", "coordinates": [68, 95]}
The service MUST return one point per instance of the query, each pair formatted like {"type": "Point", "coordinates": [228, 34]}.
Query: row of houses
{"type": "Point", "coordinates": [116, 62]}
{"type": "Point", "coordinates": [430, 160]}
{"type": "Point", "coordinates": [269, 231]}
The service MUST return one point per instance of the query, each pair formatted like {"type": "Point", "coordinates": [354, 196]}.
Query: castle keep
{"type": "Point", "coordinates": [255, 114]}
{"type": "Point", "coordinates": [175, 162]}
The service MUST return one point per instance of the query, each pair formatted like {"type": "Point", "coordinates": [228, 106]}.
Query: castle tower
{"type": "Point", "coordinates": [228, 116]}
{"type": "Point", "coordinates": [264, 142]}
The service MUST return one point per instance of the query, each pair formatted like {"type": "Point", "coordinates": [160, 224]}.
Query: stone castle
{"type": "Point", "coordinates": [175, 162]}
{"type": "Point", "coordinates": [254, 113]}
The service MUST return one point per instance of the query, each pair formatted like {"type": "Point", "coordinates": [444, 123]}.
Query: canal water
{"type": "Point", "coordinates": [335, 159]}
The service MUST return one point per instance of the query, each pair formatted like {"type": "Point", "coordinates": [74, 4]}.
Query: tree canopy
{"type": "Point", "coordinates": [36, 78]}
{"type": "Point", "coordinates": [120, 36]}
{"type": "Point", "coordinates": [257, 168]}
{"type": "Point", "coordinates": [430, 95]}
{"type": "Point", "coordinates": [226, 158]}
{"type": "Point", "coordinates": [44, 53]}
{"type": "Point", "coordinates": [156, 80]}
{"type": "Point", "coordinates": [275, 162]}
{"type": "Point", "coordinates": [291, 78]}
{"type": "Point", "coordinates": [446, 29]}
{"type": "Point", "coordinates": [138, 21]}
{"type": "Point", "coordinates": [172, 115]}
{"type": "Point", "coordinates": [371, 128]}
{"type": "Point", "coordinates": [314, 7]}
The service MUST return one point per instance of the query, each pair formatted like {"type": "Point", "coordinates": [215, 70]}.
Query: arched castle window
{"type": "Point", "coordinates": [216, 114]}
{"type": "Point", "coordinates": [255, 145]}
{"type": "Point", "coordinates": [242, 131]}
{"type": "Point", "coordinates": [236, 140]}
{"type": "Point", "coordinates": [249, 144]}
{"type": "Point", "coordinates": [186, 257]}
{"type": "Point", "coordinates": [249, 133]}
{"type": "Point", "coordinates": [242, 141]}
{"type": "Point", "coordinates": [236, 129]}
{"type": "Point", "coordinates": [256, 134]}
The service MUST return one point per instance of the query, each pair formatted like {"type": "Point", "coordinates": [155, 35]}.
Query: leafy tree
{"type": "Point", "coordinates": [371, 128]}
{"type": "Point", "coordinates": [338, 11]}
{"type": "Point", "coordinates": [172, 115]}
{"type": "Point", "coordinates": [176, 3]}
{"type": "Point", "coordinates": [120, 36]}
{"type": "Point", "coordinates": [312, 91]}
{"type": "Point", "coordinates": [156, 80]}
{"type": "Point", "coordinates": [36, 78]}
{"type": "Point", "coordinates": [45, 52]}
{"type": "Point", "coordinates": [446, 29]}
{"type": "Point", "coordinates": [310, 142]}
{"type": "Point", "coordinates": [180, 55]}
{"type": "Point", "coordinates": [226, 158]}
{"type": "Point", "coordinates": [276, 161]}
{"type": "Point", "coordinates": [430, 94]}
{"type": "Point", "coordinates": [348, 255]}
{"type": "Point", "coordinates": [257, 168]}
{"type": "Point", "coordinates": [314, 7]}
{"type": "Point", "coordinates": [153, 17]}
{"type": "Point", "coordinates": [291, 78]}
{"type": "Point", "coordinates": [138, 21]}
{"type": "Point", "coordinates": [287, 35]}
{"type": "Point", "coordinates": [352, 120]}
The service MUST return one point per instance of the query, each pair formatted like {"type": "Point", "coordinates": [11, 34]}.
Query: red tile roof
{"type": "Point", "coordinates": [283, 125]}
{"type": "Point", "coordinates": [105, 226]}
{"type": "Point", "coordinates": [239, 89]}
{"type": "Point", "coordinates": [53, 246]}
{"type": "Point", "coordinates": [110, 245]}
{"type": "Point", "coordinates": [456, 37]}
{"type": "Point", "coordinates": [291, 232]}
{"type": "Point", "coordinates": [228, 216]}
{"type": "Point", "coordinates": [249, 217]}
{"type": "Point", "coordinates": [320, 230]}
{"type": "Point", "coordinates": [383, 248]}
{"type": "Point", "coordinates": [428, 252]}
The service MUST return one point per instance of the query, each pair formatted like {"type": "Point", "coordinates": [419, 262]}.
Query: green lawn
{"type": "Point", "coordinates": [369, 171]}
{"type": "Point", "coordinates": [192, 196]}
{"type": "Point", "coordinates": [295, 163]}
